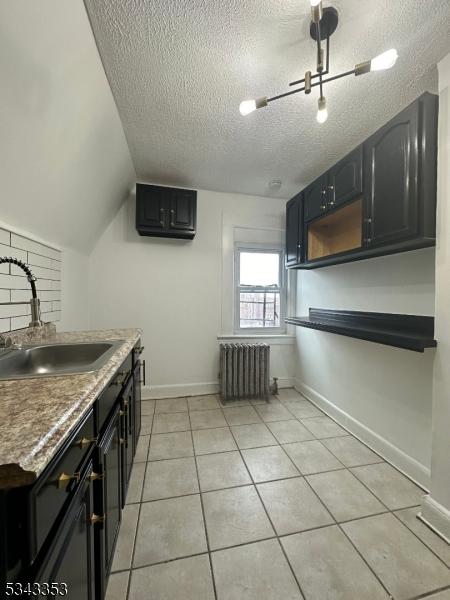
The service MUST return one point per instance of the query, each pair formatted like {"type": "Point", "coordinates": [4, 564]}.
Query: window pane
{"type": "Point", "coordinates": [259, 309]}
{"type": "Point", "coordinates": [259, 268]}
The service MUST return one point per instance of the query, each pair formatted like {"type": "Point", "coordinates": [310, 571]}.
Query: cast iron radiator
{"type": "Point", "coordinates": [244, 370]}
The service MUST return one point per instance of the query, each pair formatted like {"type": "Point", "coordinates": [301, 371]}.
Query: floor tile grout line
{"type": "Point", "coordinates": [337, 524]}
{"type": "Point", "coordinates": [301, 475]}
{"type": "Point", "coordinates": [415, 534]}
{"type": "Point", "coordinates": [270, 521]}
{"type": "Point", "coordinates": [203, 515]}
{"type": "Point", "coordinates": [429, 594]}
{"type": "Point", "coordinates": [137, 529]}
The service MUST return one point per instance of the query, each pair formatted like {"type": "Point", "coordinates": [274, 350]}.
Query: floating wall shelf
{"type": "Point", "coordinates": [413, 332]}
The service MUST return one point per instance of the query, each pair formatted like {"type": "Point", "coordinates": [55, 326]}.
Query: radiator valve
{"type": "Point", "coordinates": [274, 386]}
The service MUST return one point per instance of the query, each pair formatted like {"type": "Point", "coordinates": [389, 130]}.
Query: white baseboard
{"type": "Point", "coordinates": [416, 471]}
{"type": "Point", "coordinates": [177, 390]}
{"type": "Point", "coordinates": [436, 516]}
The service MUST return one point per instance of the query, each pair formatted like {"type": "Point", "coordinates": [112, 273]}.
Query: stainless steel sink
{"type": "Point", "coordinates": [55, 359]}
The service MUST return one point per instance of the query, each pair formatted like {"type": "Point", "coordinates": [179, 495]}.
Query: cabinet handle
{"type": "Point", "coordinates": [97, 518]}
{"type": "Point", "coordinates": [368, 221]}
{"type": "Point", "coordinates": [323, 206]}
{"type": "Point", "coordinates": [143, 372]}
{"type": "Point", "coordinates": [299, 246]}
{"type": "Point", "coordinates": [172, 214]}
{"type": "Point", "coordinates": [330, 187]}
{"type": "Point", "coordinates": [85, 442]}
{"type": "Point", "coordinates": [95, 476]}
{"type": "Point", "coordinates": [64, 479]}
{"type": "Point", "coordinates": [368, 240]}
{"type": "Point", "coordinates": [331, 203]}
{"type": "Point", "coordinates": [161, 219]}
{"type": "Point", "coordinates": [122, 441]}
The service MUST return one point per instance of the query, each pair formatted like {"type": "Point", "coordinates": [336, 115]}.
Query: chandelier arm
{"type": "Point", "coordinates": [321, 82]}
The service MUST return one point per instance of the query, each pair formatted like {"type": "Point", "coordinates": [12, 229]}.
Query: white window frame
{"type": "Point", "coordinates": [259, 248]}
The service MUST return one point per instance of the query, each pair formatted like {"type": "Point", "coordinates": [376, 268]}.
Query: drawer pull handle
{"type": "Point", "coordinates": [64, 479]}
{"type": "Point", "coordinates": [85, 442]}
{"type": "Point", "coordinates": [122, 441]}
{"type": "Point", "coordinates": [97, 519]}
{"type": "Point", "coordinates": [121, 413]}
{"type": "Point", "coordinates": [95, 476]}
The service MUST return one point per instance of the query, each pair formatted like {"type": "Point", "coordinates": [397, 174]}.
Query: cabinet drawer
{"type": "Point", "coordinates": [58, 483]}
{"type": "Point", "coordinates": [108, 399]}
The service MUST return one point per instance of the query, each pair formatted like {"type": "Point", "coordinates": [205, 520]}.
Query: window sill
{"type": "Point", "coordinates": [280, 339]}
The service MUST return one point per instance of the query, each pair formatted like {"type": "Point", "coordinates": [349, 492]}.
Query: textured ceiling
{"type": "Point", "coordinates": [179, 68]}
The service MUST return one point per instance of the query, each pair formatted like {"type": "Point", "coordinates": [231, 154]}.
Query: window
{"type": "Point", "coordinates": [259, 283]}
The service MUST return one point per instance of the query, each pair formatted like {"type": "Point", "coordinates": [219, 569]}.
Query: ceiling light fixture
{"type": "Point", "coordinates": [324, 22]}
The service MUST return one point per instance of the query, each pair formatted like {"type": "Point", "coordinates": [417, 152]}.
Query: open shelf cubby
{"type": "Point", "coordinates": [338, 232]}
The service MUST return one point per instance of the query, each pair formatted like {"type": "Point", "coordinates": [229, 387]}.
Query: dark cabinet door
{"type": "Point", "coordinates": [316, 198]}
{"type": "Point", "coordinates": [391, 179]}
{"type": "Point", "coordinates": [165, 212]}
{"type": "Point", "coordinates": [151, 208]}
{"type": "Point", "coordinates": [137, 402]}
{"type": "Point", "coordinates": [108, 496]}
{"type": "Point", "coordinates": [345, 179]}
{"type": "Point", "coordinates": [127, 428]}
{"type": "Point", "coordinates": [294, 219]}
{"type": "Point", "coordinates": [70, 561]}
{"type": "Point", "coordinates": [183, 210]}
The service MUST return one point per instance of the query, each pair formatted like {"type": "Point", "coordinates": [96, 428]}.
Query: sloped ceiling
{"type": "Point", "coordinates": [179, 69]}
{"type": "Point", "coordinates": [65, 164]}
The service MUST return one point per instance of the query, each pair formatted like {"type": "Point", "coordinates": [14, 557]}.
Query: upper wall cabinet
{"type": "Point", "coordinates": [165, 212]}
{"type": "Point", "coordinates": [379, 199]}
{"type": "Point", "coordinates": [294, 233]}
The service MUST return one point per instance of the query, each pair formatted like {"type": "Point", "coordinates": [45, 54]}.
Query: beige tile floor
{"type": "Point", "coordinates": [268, 501]}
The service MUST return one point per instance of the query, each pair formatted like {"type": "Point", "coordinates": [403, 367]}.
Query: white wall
{"type": "Point", "coordinates": [65, 162]}
{"type": "Point", "coordinates": [172, 289]}
{"type": "Point", "coordinates": [436, 507]}
{"type": "Point", "coordinates": [382, 394]}
{"type": "Point", "coordinates": [74, 291]}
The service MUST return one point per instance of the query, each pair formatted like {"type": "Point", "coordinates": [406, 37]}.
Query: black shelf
{"type": "Point", "coordinates": [412, 332]}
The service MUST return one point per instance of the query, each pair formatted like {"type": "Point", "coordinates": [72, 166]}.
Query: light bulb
{"type": "Point", "coordinates": [248, 106]}
{"type": "Point", "coordinates": [322, 113]}
{"type": "Point", "coordinates": [384, 61]}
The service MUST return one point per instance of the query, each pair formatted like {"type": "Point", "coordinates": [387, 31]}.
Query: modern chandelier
{"type": "Point", "coordinates": [324, 22]}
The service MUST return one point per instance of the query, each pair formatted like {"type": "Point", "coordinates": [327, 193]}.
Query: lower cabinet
{"type": "Point", "coordinates": [69, 566]}
{"type": "Point", "coordinates": [108, 496]}
{"type": "Point", "coordinates": [58, 535]}
{"type": "Point", "coordinates": [127, 414]}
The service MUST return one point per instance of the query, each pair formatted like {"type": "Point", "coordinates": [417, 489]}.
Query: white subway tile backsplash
{"type": "Point", "coordinates": [45, 264]}
{"type": "Point", "coordinates": [36, 260]}
{"type": "Point", "coordinates": [20, 322]}
{"type": "Point", "coordinates": [5, 236]}
{"type": "Point", "coordinates": [18, 241]}
{"type": "Point", "coordinates": [13, 282]}
{"type": "Point", "coordinates": [5, 325]}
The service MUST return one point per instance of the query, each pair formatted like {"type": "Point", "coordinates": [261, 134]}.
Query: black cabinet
{"type": "Point", "coordinates": [108, 496]}
{"type": "Point", "coordinates": [383, 193]}
{"type": "Point", "coordinates": [394, 168]}
{"type": "Point", "coordinates": [69, 562]}
{"type": "Point", "coordinates": [316, 198]}
{"type": "Point", "coordinates": [137, 399]}
{"type": "Point", "coordinates": [294, 232]}
{"type": "Point", "coordinates": [64, 526]}
{"type": "Point", "coordinates": [165, 212]}
{"type": "Point", "coordinates": [345, 179]}
{"type": "Point", "coordinates": [127, 414]}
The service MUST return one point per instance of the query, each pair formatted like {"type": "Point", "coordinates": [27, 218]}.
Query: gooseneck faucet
{"type": "Point", "coordinates": [34, 302]}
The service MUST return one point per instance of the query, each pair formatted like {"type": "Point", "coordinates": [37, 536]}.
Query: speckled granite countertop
{"type": "Point", "coordinates": [37, 415]}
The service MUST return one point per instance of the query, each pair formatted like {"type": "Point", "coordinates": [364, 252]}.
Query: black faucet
{"type": "Point", "coordinates": [34, 302]}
